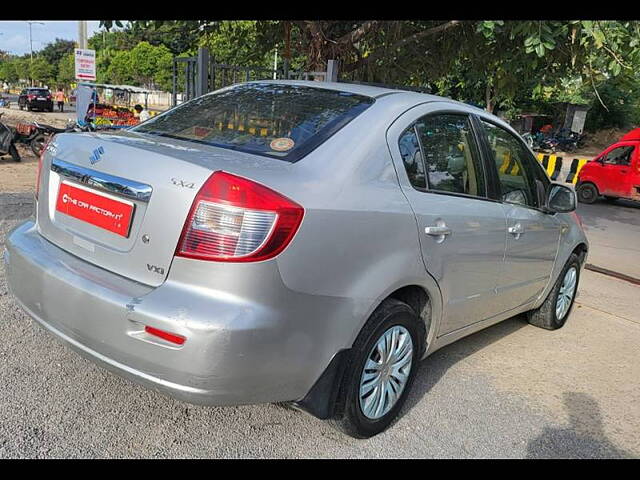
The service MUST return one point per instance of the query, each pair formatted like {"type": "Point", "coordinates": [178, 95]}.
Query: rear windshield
{"type": "Point", "coordinates": [38, 91]}
{"type": "Point", "coordinates": [280, 121]}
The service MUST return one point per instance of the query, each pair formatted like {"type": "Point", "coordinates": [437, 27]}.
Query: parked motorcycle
{"type": "Point", "coordinates": [36, 135]}
{"type": "Point", "coordinates": [7, 142]}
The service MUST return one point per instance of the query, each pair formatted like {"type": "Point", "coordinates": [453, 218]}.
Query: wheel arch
{"type": "Point", "coordinates": [425, 298]}
{"type": "Point", "coordinates": [581, 251]}
{"type": "Point", "coordinates": [586, 181]}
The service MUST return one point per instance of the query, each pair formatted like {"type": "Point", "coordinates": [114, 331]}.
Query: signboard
{"type": "Point", "coordinates": [579, 118]}
{"type": "Point", "coordinates": [85, 64]}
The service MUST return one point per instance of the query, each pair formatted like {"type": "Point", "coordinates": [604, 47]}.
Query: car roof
{"type": "Point", "coordinates": [357, 88]}
{"type": "Point", "coordinates": [399, 95]}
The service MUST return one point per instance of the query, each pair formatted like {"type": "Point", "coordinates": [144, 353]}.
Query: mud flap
{"type": "Point", "coordinates": [320, 401]}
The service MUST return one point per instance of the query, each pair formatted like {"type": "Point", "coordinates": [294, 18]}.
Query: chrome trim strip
{"type": "Point", "coordinates": [103, 181]}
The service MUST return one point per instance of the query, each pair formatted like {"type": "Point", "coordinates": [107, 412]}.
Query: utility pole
{"type": "Point", "coordinates": [82, 34]}
{"type": "Point", "coordinates": [31, 48]}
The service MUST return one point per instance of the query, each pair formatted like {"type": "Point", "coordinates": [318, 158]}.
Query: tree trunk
{"type": "Point", "coordinates": [489, 98]}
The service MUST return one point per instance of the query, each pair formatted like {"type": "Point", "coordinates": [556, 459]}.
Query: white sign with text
{"type": "Point", "coordinates": [85, 64]}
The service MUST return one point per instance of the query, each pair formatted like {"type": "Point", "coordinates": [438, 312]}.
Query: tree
{"type": "Point", "coordinates": [8, 72]}
{"type": "Point", "coordinates": [41, 70]}
{"type": "Point", "coordinates": [500, 64]}
{"type": "Point", "coordinates": [66, 69]}
{"type": "Point", "coordinates": [120, 69]}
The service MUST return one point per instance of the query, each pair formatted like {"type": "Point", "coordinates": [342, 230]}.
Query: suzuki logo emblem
{"type": "Point", "coordinates": [97, 153]}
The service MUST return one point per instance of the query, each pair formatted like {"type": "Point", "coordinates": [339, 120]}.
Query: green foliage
{"type": "Point", "coordinates": [42, 71]}
{"type": "Point", "coordinates": [506, 66]}
{"type": "Point", "coordinates": [120, 68]}
{"type": "Point", "coordinates": [622, 99]}
{"type": "Point", "coordinates": [66, 70]}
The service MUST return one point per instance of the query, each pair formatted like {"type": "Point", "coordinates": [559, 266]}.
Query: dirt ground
{"type": "Point", "coordinates": [18, 177]}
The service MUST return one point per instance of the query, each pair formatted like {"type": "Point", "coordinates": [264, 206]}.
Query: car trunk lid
{"type": "Point", "coordinates": [119, 200]}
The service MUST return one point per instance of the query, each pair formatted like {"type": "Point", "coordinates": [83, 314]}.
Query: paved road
{"type": "Point", "coordinates": [67, 107]}
{"type": "Point", "coordinates": [509, 391]}
{"type": "Point", "coordinates": [613, 229]}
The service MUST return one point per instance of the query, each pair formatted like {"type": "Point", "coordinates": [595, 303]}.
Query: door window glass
{"type": "Point", "coordinates": [619, 156]}
{"type": "Point", "coordinates": [450, 154]}
{"type": "Point", "coordinates": [511, 162]}
{"type": "Point", "coordinates": [412, 158]}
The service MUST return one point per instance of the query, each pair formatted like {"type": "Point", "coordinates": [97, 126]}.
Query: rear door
{"type": "Point", "coordinates": [461, 231]}
{"type": "Point", "coordinates": [532, 236]}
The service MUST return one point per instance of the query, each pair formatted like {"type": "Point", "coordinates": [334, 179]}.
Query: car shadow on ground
{"type": "Point", "coordinates": [433, 368]}
{"type": "Point", "coordinates": [584, 437]}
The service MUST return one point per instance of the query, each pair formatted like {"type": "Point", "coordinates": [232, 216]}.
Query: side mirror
{"type": "Point", "coordinates": [561, 198]}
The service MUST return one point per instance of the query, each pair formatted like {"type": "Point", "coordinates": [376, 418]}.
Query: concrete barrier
{"type": "Point", "coordinates": [559, 169]}
{"type": "Point", "coordinates": [562, 169]}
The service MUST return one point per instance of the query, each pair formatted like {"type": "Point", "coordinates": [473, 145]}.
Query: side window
{"type": "Point", "coordinates": [412, 157]}
{"type": "Point", "coordinates": [516, 181]}
{"type": "Point", "coordinates": [450, 154]}
{"type": "Point", "coordinates": [619, 156]}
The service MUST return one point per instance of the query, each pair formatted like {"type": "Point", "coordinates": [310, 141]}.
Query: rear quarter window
{"type": "Point", "coordinates": [275, 120]}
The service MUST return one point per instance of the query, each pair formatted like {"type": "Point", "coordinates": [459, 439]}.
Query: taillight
{"type": "Point", "coordinates": [31, 97]}
{"type": "Point", "coordinates": [38, 174]}
{"type": "Point", "coordinates": [40, 160]}
{"type": "Point", "coordinates": [234, 219]}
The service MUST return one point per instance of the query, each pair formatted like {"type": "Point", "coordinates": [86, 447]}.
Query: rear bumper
{"type": "Point", "coordinates": [42, 104]}
{"type": "Point", "coordinates": [237, 351]}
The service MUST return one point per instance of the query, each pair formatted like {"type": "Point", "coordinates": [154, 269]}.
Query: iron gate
{"type": "Point", "coordinates": [201, 74]}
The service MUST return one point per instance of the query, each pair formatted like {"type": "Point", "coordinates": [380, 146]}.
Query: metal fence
{"type": "Point", "coordinates": [195, 76]}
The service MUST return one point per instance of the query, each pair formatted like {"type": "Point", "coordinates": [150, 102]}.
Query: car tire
{"type": "Point", "coordinates": [547, 316]}
{"type": "Point", "coordinates": [391, 317]}
{"type": "Point", "coordinates": [21, 107]}
{"type": "Point", "coordinates": [37, 144]}
{"type": "Point", "coordinates": [587, 193]}
{"type": "Point", "coordinates": [13, 151]}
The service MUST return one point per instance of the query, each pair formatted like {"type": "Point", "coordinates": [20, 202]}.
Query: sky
{"type": "Point", "coordinates": [14, 35]}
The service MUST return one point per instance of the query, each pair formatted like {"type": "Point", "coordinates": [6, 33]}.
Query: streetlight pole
{"type": "Point", "coordinates": [31, 48]}
{"type": "Point", "coordinates": [82, 34]}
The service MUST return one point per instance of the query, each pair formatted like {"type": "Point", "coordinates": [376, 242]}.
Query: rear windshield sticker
{"type": "Point", "coordinates": [282, 144]}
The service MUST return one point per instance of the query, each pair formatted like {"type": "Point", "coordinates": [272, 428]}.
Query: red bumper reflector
{"type": "Point", "coordinates": [170, 337]}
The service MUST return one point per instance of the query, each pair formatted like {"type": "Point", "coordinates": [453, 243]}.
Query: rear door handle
{"type": "Point", "coordinates": [437, 231]}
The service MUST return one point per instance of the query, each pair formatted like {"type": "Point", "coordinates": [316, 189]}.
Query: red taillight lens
{"type": "Point", "coordinates": [31, 97]}
{"type": "Point", "coordinates": [170, 337]}
{"type": "Point", "coordinates": [234, 219]}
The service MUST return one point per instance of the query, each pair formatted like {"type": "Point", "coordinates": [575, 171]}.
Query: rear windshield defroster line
{"type": "Point", "coordinates": [279, 121]}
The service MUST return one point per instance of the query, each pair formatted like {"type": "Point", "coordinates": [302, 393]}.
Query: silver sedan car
{"type": "Point", "coordinates": [298, 242]}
